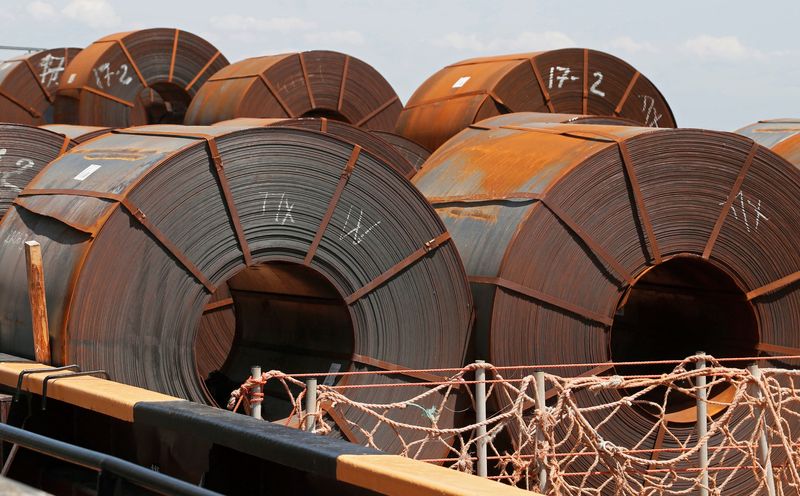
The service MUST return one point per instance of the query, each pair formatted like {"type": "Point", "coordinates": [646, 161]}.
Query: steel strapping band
{"type": "Point", "coordinates": [174, 52]}
{"type": "Point", "coordinates": [32, 111]}
{"type": "Point", "coordinates": [341, 422]}
{"type": "Point", "coordinates": [448, 97]}
{"type": "Point", "coordinates": [50, 98]}
{"type": "Point", "coordinates": [774, 286]}
{"type": "Point", "coordinates": [202, 71]}
{"type": "Point", "coordinates": [627, 93]}
{"type": "Point", "coordinates": [71, 192]}
{"type": "Point", "coordinates": [311, 102]}
{"type": "Point", "coordinates": [723, 214]}
{"type": "Point", "coordinates": [593, 245]}
{"type": "Point", "coordinates": [410, 260]}
{"type": "Point", "coordinates": [64, 145]}
{"type": "Point", "coordinates": [544, 297]}
{"type": "Point", "coordinates": [133, 62]}
{"type": "Point", "coordinates": [342, 84]}
{"type": "Point", "coordinates": [540, 80]}
{"type": "Point", "coordinates": [627, 162]}
{"type": "Point", "coordinates": [522, 197]}
{"type": "Point", "coordinates": [323, 125]}
{"type": "Point", "coordinates": [393, 367]}
{"type": "Point", "coordinates": [277, 96]}
{"type": "Point", "coordinates": [216, 305]}
{"type": "Point", "coordinates": [779, 349]}
{"type": "Point", "coordinates": [377, 111]}
{"type": "Point", "coordinates": [334, 201]}
{"type": "Point", "coordinates": [585, 99]}
{"type": "Point", "coordinates": [108, 96]}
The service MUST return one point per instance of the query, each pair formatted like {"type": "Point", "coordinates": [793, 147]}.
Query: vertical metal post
{"type": "Point", "coordinates": [311, 404]}
{"type": "Point", "coordinates": [255, 410]}
{"type": "Point", "coordinates": [540, 410]}
{"type": "Point", "coordinates": [702, 424]}
{"type": "Point", "coordinates": [36, 296]}
{"type": "Point", "coordinates": [763, 447]}
{"type": "Point", "coordinates": [480, 416]}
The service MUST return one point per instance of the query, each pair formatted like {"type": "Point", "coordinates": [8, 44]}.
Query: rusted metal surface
{"type": "Point", "coordinates": [24, 151]}
{"type": "Point", "coordinates": [28, 84]}
{"type": "Point", "coordinates": [570, 81]}
{"type": "Point", "coordinates": [316, 83]}
{"type": "Point", "coordinates": [366, 139]}
{"type": "Point", "coordinates": [78, 134]}
{"type": "Point", "coordinates": [137, 77]}
{"type": "Point", "coordinates": [413, 152]}
{"type": "Point", "coordinates": [594, 244]}
{"type": "Point", "coordinates": [782, 136]}
{"type": "Point", "coordinates": [330, 258]}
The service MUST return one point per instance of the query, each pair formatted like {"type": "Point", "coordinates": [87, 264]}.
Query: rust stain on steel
{"type": "Point", "coordinates": [316, 83]}
{"type": "Point", "coordinates": [570, 81]}
{"type": "Point", "coordinates": [28, 84]}
{"type": "Point", "coordinates": [109, 83]}
{"type": "Point", "coordinates": [780, 135]}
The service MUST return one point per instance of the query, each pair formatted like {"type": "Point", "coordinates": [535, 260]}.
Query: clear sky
{"type": "Point", "coordinates": [720, 64]}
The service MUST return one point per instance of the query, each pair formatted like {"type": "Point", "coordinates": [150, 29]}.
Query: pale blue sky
{"type": "Point", "coordinates": [720, 64]}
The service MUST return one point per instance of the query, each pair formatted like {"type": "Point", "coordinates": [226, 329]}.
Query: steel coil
{"type": "Point", "coordinates": [570, 81]}
{"type": "Point", "coordinates": [414, 153]}
{"type": "Point", "coordinates": [357, 136]}
{"type": "Point", "coordinates": [24, 151]}
{"type": "Point", "coordinates": [333, 261]}
{"type": "Point", "coordinates": [28, 84]}
{"type": "Point", "coordinates": [316, 83]}
{"type": "Point", "coordinates": [77, 134]}
{"type": "Point", "coordinates": [596, 244]}
{"type": "Point", "coordinates": [782, 136]}
{"type": "Point", "coordinates": [136, 77]}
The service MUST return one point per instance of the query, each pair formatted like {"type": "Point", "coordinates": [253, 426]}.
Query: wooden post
{"type": "Point", "coordinates": [311, 404]}
{"type": "Point", "coordinates": [702, 424]}
{"type": "Point", "coordinates": [36, 295]}
{"type": "Point", "coordinates": [480, 416]}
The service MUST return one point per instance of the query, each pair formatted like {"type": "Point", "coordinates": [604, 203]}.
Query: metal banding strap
{"type": "Point", "coordinates": [30, 110]}
{"type": "Point", "coordinates": [64, 145]}
{"type": "Point", "coordinates": [448, 97]}
{"type": "Point", "coordinates": [514, 287]}
{"type": "Point", "coordinates": [774, 286]}
{"type": "Point", "coordinates": [108, 96]}
{"type": "Point", "coordinates": [311, 102]}
{"type": "Point", "coordinates": [337, 193]}
{"type": "Point", "coordinates": [140, 216]}
{"type": "Point", "coordinates": [377, 111]}
{"type": "Point", "coordinates": [216, 305]}
{"type": "Point", "coordinates": [202, 71]}
{"type": "Point", "coordinates": [341, 422]}
{"type": "Point", "coordinates": [627, 162]}
{"type": "Point", "coordinates": [627, 93]}
{"type": "Point", "coordinates": [410, 260]}
{"type": "Point", "coordinates": [659, 442]}
{"type": "Point", "coordinates": [219, 170]}
{"type": "Point", "coordinates": [778, 349]}
{"type": "Point", "coordinates": [723, 214]}
{"type": "Point", "coordinates": [393, 367]}
{"type": "Point", "coordinates": [545, 92]}
{"type": "Point", "coordinates": [323, 125]}
{"type": "Point", "coordinates": [133, 62]}
{"type": "Point", "coordinates": [585, 99]}
{"type": "Point", "coordinates": [41, 85]}
{"type": "Point", "coordinates": [289, 112]}
{"type": "Point", "coordinates": [342, 84]}
{"type": "Point", "coordinates": [174, 52]}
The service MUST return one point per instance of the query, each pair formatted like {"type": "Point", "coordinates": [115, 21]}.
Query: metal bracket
{"type": "Point", "coordinates": [25, 372]}
{"type": "Point", "coordinates": [62, 376]}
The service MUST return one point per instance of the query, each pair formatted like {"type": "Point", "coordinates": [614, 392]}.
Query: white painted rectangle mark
{"type": "Point", "coordinates": [87, 172]}
{"type": "Point", "coordinates": [329, 379]}
{"type": "Point", "coordinates": [71, 78]}
{"type": "Point", "coordinates": [5, 66]}
{"type": "Point", "coordinates": [461, 81]}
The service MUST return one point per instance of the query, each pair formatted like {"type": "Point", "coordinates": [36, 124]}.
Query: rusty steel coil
{"type": "Point", "coordinates": [28, 84]}
{"type": "Point", "coordinates": [589, 244]}
{"type": "Point", "coordinates": [316, 83]}
{"type": "Point", "coordinates": [569, 81]}
{"type": "Point", "coordinates": [357, 136]}
{"type": "Point", "coordinates": [331, 259]}
{"type": "Point", "coordinates": [78, 134]}
{"type": "Point", "coordinates": [24, 151]}
{"type": "Point", "coordinates": [138, 77]}
{"type": "Point", "coordinates": [782, 136]}
{"type": "Point", "coordinates": [414, 153]}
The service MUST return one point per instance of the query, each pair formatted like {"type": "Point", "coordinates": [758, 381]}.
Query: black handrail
{"type": "Point", "coordinates": [105, 464]}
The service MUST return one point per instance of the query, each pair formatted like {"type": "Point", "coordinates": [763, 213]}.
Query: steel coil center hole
{"type": "Point", "coordinates": [165, 103]}
{"type": "Point", "coordinates": [677, 308]}
{"type": "Point", "coordinates": [279, 315]}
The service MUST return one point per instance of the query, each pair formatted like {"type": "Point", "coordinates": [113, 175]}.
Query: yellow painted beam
{"type": "Point", "coordinates": [106, 397]}
{"type": "Point", "coordinates": [395, 475]}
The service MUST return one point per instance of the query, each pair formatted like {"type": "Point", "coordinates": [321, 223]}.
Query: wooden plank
{"type": "Point", "coordinates": [36, 295]}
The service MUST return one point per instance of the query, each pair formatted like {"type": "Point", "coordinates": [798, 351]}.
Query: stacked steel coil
{"type": "Point", "coordinates": [333, 259]}
{"type": "Point", "coordinates": [317, 83]}
{"type": "Point", "coordinates": [782, 136]}
{"type": "Point", "coordinates": [24, 151]}
{"type": "Point", "coordinates": [136, 77]}
{"type": "Point", "coordinates": [78, 134]}
{"type": "Point", "coordinates": [593, 244]}
{"type": "Point", "coordinates": [367, 140]}
{"type": "Point", "coordinates": [572, 81]}
{"type": "Point", "coordinates": [28, 84]}
{"type": "Point", "coordinates": [414, 153]}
